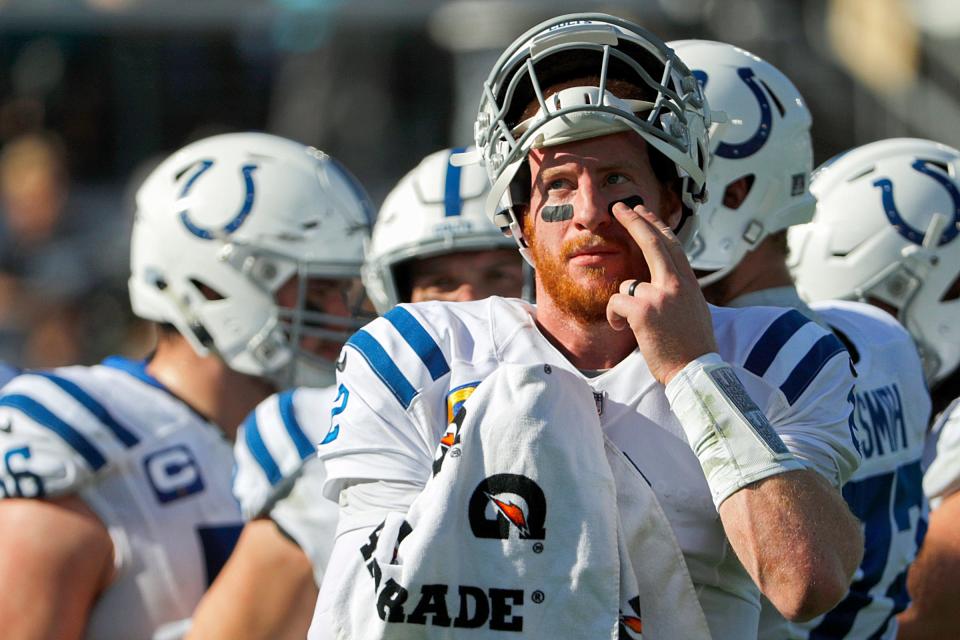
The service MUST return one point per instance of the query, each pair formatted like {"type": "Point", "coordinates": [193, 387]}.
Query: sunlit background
{"type": "Point", "coordinates": [93, 92]}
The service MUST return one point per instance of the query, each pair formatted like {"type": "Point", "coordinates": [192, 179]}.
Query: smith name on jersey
{"type": "Point", "coordinates": [405, 374]}
{"type": "Point", "coordinates": [154, 471]}
{"type": "Point", "coordinates": [278, 474]}
{"type": "Point", "coordinates": [891, 416]}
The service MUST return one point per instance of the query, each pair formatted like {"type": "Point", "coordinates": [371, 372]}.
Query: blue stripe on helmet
{"type": "Point", "coordinates": [452, 200]}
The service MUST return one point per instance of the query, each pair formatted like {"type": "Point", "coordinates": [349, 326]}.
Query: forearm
{"type": "Point", "coordinates": [265, 591]}
{"type": "Point", "coordinates": [790, 528]}
{"type": "Point", "coordinates": [932, 580]}
{"type": "Point", "coordinates": [797, 539]}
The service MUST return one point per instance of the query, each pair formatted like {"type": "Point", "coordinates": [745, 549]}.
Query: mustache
{"type": "Point", "coordinates": [590, 243]}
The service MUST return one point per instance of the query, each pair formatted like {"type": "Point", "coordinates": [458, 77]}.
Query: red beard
{"type": "Point", "coordinates": [586, 298]}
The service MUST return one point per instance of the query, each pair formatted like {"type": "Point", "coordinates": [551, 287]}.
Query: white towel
{"type": "Point", "coordinates": [519, 532]}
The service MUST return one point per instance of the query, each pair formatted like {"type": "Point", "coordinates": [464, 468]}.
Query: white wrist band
{"type": "Point", "coordinates": [730, 435]}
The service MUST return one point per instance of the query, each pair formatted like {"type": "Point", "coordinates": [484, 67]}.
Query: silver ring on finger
{"type": "Point", "coordinates": [633, 287]}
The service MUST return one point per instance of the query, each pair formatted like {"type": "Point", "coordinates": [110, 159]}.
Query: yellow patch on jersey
{"type": "Point", "coordinates": [456, 398]}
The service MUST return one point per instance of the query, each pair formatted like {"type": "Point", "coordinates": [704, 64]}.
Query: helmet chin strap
{"type": "Point", "coordinates": [715, 276]}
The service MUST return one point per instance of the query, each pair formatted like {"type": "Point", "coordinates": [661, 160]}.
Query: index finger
{"type": "Point", "coordinates": [651, 241]}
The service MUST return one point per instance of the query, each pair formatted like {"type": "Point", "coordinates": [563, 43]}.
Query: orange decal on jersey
{"type": "Point", "coordinates": [634, 624]}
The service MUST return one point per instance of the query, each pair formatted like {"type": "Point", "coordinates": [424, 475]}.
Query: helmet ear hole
{"type": "Point", "coordinates": [403, 280]}
{"type": "Point", "coordinates": [737, 191]}
{"type": "Point", "coordinates": [206, 290]}
{"type": "Point", "coordinates": [953, 291]}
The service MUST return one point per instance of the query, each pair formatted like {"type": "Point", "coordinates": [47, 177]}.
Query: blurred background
{"type": "Point", "coordinates": [94, 92]}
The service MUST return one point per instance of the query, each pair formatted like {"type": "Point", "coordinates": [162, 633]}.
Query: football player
{"type": "Point", "coordinates": [759, 172]}
{"type": "Point", "coordinates": [594, 135]}
{"type": "Point", "coordinates": [117, 510]}
{"type": "Point", "coordinates": [885, 233]}
{"type": "Point", "coordinates": [431, 241]}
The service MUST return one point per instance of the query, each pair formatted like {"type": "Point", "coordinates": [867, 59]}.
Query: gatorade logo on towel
{"type": "Point", "coordinates": [506, 503]}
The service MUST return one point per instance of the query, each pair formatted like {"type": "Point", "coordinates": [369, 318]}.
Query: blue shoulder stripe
{"type": "Point", "coordinates": [765, 351]}
{"type": "Point", "coordinates": [383, 366]}
{"type": "Point", "coordinates": [251, 434]}
{"type": "Point", "coordinates": [452, 200]}
{"type": "Point", "coordinates": [419, 340]}
{"type": "Point", "coordinates": [43, 416]}
{"type": "Point", "coordinates": [122, 433]}
{"type": "Point", "coordinates": [289, 417]}
{"type": "Point", "coordinates": [809, 367]}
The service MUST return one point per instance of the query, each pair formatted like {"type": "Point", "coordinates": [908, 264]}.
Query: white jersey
{"type": "Point", "coordinates": [278, 474]}
{"type": "Point", "coordinates": [891, 417]}
{"type": "Point", "coordinates": [942, 477]}
{"type": "Point", "coordinates": [405, 375]}
{"type": "Point", "coordinates": [155, 473]}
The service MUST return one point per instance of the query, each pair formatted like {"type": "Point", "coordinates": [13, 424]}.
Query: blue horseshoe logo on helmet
{"type": "Point", "coordinates": [759, 138]}
{"type": "Point", "coordinates": [903, 228]}
{"type": "Point", "coordinates": [234, 222]}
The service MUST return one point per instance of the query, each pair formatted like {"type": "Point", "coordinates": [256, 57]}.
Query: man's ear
{"type": "Point", "coordinates": [671, 203]}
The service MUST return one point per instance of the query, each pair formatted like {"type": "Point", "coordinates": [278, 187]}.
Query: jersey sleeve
{"type": "Point", "coordinates": [271, 447]}
{"type": "Point", "coordinates": [942, 477]}
{"type": "Point", "coordinates": [390, 410]}
{"type": "Point", "coordinates": [56, 436]}
{"type": "Point", "coordinates": [309, 518]}
{"type": "Point", "coordinates": [805, 375]}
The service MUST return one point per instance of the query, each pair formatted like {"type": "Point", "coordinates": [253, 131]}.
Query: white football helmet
{"type": "Point", "coordinates": [886, 227]}
{"type": "Point", "coordinates": [437, 208]}
{"type": "Point", "coordinates": [766, 137]}
{"type": "Point", "coordinates": [222, 225]}
{"type": "Point", "coordinates": [672, 116]}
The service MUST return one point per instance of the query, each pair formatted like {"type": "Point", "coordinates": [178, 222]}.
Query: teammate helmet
{"type": "Point", "coordinates": [222, 225]}
{"type": "Point", "coordinates": [886, 227]}
{"type": "Point", "coordinates": [669, 113]}
{"type": "Point", "coordinates": [436, 208]}
{"type": "Point", "coordinates": [765, 139]}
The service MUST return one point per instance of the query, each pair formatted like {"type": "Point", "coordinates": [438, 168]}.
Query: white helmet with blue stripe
{"type": "Point", "coordinates": [666, 108]}
{"type": "Point", "coordinates": [887, 229]}
{"type": "Point", "coordinates": [222, 225]}
{"type": "Point", "coordinates": [437, 208]}
{"type": "Point", "coordinates": [765, 139]}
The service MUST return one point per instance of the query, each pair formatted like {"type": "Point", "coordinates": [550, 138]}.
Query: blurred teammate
{"type": "Point", "coordinates": [432, 240]}
{"type": "Point", "coordinates": [118, 512]}
{"type": "Point", "coordinates": [885, 233]}
{"type": "Point", "coordinates": [760, 170]}
{"type": "Point", "coordinates": [621, 383]}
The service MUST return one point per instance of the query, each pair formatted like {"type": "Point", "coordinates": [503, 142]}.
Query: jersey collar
{"type": "Point", "coordinates": [136, 368]}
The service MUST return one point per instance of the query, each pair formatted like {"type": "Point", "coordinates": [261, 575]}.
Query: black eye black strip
{"type": "Point", "coordinates": [630, 201]}
{"type": "Point", "coordinates": [556, 213]}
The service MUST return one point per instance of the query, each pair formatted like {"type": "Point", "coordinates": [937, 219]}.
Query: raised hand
{"type": "Point", "coordinates": [668, 315]}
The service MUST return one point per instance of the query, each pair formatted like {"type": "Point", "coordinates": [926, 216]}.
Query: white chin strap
{"type": "Point", "coordinates": [713, 276]}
